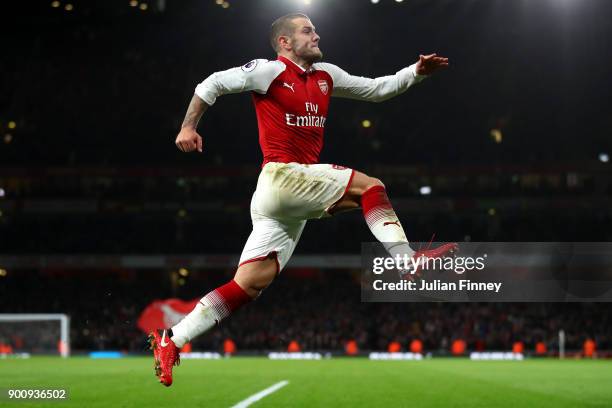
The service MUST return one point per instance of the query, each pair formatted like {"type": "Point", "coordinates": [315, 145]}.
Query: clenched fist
{"type": "Point", "coordinates": [189, 140]}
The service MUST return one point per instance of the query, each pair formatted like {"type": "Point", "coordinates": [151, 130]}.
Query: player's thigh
{"type": "Point", "coordinates": [352, 198]}
{"type": "Point", "coordinates": [270, 239]}
{"type": "Point", "coordinates": [298, 191]}
{"type": "Point", "coordinates": [361, 183]}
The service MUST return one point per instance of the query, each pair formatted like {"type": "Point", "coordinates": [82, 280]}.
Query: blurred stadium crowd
{"type": "Point", "coordinates": [320, 310]}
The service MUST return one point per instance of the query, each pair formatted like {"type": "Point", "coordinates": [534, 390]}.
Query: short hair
{"type": "Point", "coordinates": [283, 26]}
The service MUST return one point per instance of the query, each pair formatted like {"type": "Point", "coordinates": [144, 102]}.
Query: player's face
{"type": "Point", "coordinates": [305, 41]}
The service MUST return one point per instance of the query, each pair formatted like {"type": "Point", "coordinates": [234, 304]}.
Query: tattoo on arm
{"type": "Point", "coordinates": [196, 109]}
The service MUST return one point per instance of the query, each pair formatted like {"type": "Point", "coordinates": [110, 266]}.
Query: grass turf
{"type": "Point", "coordinates": [342, 382]}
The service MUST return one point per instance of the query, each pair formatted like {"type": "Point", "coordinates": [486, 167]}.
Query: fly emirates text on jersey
{"type": "Point", "coordinates": [310, 119]}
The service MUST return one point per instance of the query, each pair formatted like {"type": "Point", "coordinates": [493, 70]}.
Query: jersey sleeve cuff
{"type": "Point", "coordinates": [417, 77]}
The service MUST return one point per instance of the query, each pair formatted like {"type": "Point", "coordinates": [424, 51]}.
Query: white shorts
{"type": "Point", "coordinates": [287, 195]}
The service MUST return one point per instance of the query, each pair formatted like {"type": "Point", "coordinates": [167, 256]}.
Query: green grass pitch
{"type": "Point", "coordinates": [341, 382]}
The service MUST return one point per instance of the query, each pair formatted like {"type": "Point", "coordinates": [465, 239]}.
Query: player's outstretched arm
{"type": "Point", "coordinates": [385, 87]}
{"type": "Point", "coordinates": [188, 138]}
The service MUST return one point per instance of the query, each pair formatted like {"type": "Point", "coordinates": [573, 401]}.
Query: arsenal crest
{"type": "Point", "coordinates": [323, 86]}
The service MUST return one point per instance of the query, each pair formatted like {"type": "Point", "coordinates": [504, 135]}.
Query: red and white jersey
{"type": "Point", "coordinates": [292, 103]}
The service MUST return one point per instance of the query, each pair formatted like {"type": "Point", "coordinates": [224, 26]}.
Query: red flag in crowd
{"type": "Point", "coordinates": [162, 314]}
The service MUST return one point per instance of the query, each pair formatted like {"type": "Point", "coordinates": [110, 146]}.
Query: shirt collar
{"type": "Point", "coordinates": [295, 67]}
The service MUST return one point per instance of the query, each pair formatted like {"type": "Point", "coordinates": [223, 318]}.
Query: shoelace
{"type": "Point", "coordinates": [403, 273]}
{"type": "Point", "coordinates": [429, 244]}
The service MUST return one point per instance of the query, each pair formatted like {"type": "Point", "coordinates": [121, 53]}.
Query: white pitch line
{"type": "Point", "coordinates": [256, 397]}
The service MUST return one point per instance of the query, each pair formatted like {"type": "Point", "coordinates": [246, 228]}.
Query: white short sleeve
{"type": "Point", "coordinates": [256, 75]}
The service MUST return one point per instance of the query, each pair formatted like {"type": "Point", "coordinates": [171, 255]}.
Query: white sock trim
{"type": "Point", "coordinates": [198, 321]}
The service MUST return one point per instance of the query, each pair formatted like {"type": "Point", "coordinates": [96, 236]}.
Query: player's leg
{"type": "Point", "coordinates": [250, 279]}
{"type": "Point", "coordinates": [319, 190]}
{"type": "Point", "coordinates": [370, 194]}
{"type": "Point", "coordinates": [351, 199]}
{"type": "Point", "coordinates": [265, 254]}
{"type": "Point", "coordinates": [218, 304]}
{"type": "Point", "coordinates": [254, 277]}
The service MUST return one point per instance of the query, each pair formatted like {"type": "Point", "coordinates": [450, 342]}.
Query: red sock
{"type": "Point", "coordinates": [380, 216]}
{"type": "Point", "coordinates": [375, 205]}
{"type": "Point", "coordinates": [227, 298]}
{"type": "Point", "coordinates": [213, 308]}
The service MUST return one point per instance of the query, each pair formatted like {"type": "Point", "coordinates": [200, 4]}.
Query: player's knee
{"type": "Point", "coordinates": [373, 182]}
{"type": "Point", "coordinates": [251, 287]}
{"type": "Point", "coordinates": [258, 285]}
{"type": "Point", "coordinates": [362, 185]}
{"type": "Point", "coordinates": [256, 276]}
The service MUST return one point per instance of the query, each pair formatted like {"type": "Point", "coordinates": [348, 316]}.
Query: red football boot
{"type": "Point", "coordinates": [166, 355]}
{"type": "Point", "coordinates": [444, 250]}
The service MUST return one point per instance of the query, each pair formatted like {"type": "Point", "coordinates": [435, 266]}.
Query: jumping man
{"type": "Point", "coordinates": [291, 96]}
